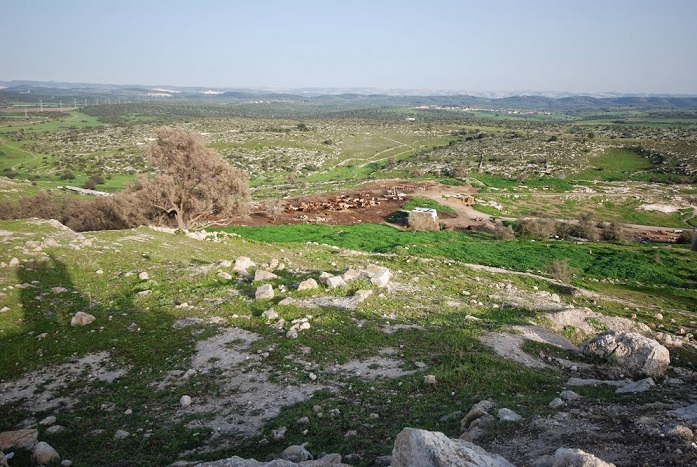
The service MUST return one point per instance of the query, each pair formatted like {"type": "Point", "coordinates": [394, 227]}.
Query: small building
{"type": "Point", "coordinates": [423, 219]}
{"type": "Point", "coordinates": [468, 200]}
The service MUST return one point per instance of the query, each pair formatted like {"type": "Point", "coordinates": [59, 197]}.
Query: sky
{"type": "Point", "coordinates": [577, 46]}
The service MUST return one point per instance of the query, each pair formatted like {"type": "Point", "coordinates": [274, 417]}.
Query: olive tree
{"type": "Point", "coordinates": [192, 183]}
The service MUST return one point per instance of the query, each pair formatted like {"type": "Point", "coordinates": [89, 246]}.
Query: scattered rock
{"type": "Point", "coordinates": [20, 439]}
{"type": "Point", "coordinates": [296, 453]}
{"type": "Point", "coordinates": [280, 433]}
{"type": "Point", "coordinates": [44, 454]}
{"type": "Point", "coordinates": [688, 413]}
{"type": "Point", "coordinates": [430, 379]}
{"type": "Point", "coordinates": [420, 448]}
{"type": "Point", "coordinates": [642, 385]}
{"type": "Point", "coordinates": [270, 314]}
{"type": "Point", "coordinates": [308, 284]}
{"type": "Point", "coordinates": [261, 275]}
{"type": "Point", "coordinates": [564, 457]}
{"type": "Point", "coordinates": [48, 421]}
{"type": "Point", "coordinates": [507, 415]}
{"type": "Point", "coordinates": [265, 292]}
{"type": "Point", "coordinates": [121, 434]}
{"type": "Point", "coordinates": [569, 395]}
{"type": "Point", "coordinates": [335, 282]}
{"type": "Point", "coordinates": [351, 274]}
{"type": "Point", "coordinates": [82, 319]}
{"type": "Point", "coordinates": [185, 401]}
{"type": "Point", "coordinates": [55, 429]}
{"type": "Point", "coordinates": [324, 276]}
{"type": "Point", "coordinates": [58, 290]}
{"type": "Point", "coordinates": [381, 277]}
{"type": "Point", "coordinates": [632, 353]}
{"type": "Point", "coordinates": [242, 263]}
{"type": "Point", "coordinates": [557, 404]}
{"type": "Point", "coordinates": [13, 262]}
{"type": "Point", "coordinates": [143, 276]}
{"type": "Point", "coordinates": [224, 275]}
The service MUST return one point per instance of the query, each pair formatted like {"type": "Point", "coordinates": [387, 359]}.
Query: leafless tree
{"type": "Point", "coordinates": [192, 182]}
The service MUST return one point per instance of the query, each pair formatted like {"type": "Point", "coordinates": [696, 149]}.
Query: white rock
{"type": "Point", "coordinates": [48, 421]}
{"type": "Point", "coordinates": [44, 454]}
{"type": "Point", "coordinates": [261, 275]}
{"type": "Point", "coordinates": [350, 275]}
{"type": "Point", "coordinates": [632, 353]}
{"type": "Point", "coordinates": [58, 290]}
{"type": "Point", "coordinates": [270, 314]}
{"type": "Point", "coordinates": [19, 439]}
{"type": "Point", "coordinates": [430, 379]}
{"type": "Point", "coordinates": [82, 319]}
{"type": "Point", "coordinates": [335, 281]}
{"type": "Point", "coordinates": [224, 275]}
{"type": "Point", "coordinates": [308, 284]}
{"type": "Point", "coordinates": [557, 403]}
{"type": "Point", "coordinates": [642, 385]}
{"type": "Point", "coordinates": [121, 434]}
{"type": "Point", "coordinates": [265, 292]}
{"type": "Point", "coordinates": [185, 401]}
{"type": "Point", "coordinates": [507, 415]}
{"type": "Point", "coordinates": [243, 263]}
{"type": "Point", "coordinates": [570, 395]}
{"type": "Point", "coordinates": [14, 262]}
{"type": "Point", "coordinates": [421, 448]}
{"type": "Point", "coordinates": [280, 433]}
{"type": "Point", "coordinates": [55, 429]}
{"type": "Point", "coordinates": [312, 376]}
{"type": "Point", "coordinates": [564, 457]}
{"type": "Point", "coordinates": [143, 276]}
{"type": "Point", "coordinates": [381, 278]}
{"type": "Point", "coordinates": [323, 276]}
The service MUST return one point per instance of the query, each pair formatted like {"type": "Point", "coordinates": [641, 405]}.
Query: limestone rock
{"type": "Point", "coordinates": [82, 319]}
{"type": "Point", "coordinates": [224, 275]}
{"type": "Point", "coordinates": [143, 276]}
{"type": "Point", "coordinates": [264, 292]}
{"type": "Point", "coordinates": [270, 314]}
{"type": "Point", "coordinates": [632, 353]}
{"type": "Point", "coordinates": [642, 385]}
{"type": "Point", "coordinates": [335, 281]}
{"type": "Point", "coordinates": [430, 379]}
{"type": "Point", "coordinates": [330, 460]}
{"type": "Point", "coordinates": [44, 454]}
{"type": "Point", "coordinates": [279, 433]}
{"type": "Point", "coordinates": [121, 434]}
{"type": "Point", "coordinates": [20, 439]}
{"type": "Point", "coordinates": [557, 404]}
{"type": "Point", "coordinates": [261, 275]}
{"type": "Point", "coordinates": [323, 276]}
{"type": "Point", "coordinates": [507, 415]}
{"type": "Point", "coordinates": [381, 277]}
{"type": "Point", "coordinates": [243, 263]}
{"type": "Point", "coordinates": [569, 395]}
{"type": "Point", "coordinates": [308, 284]}
{"type": "Point", "coordinates": [55, 429]}
{"type": "Point", "coordinates": [185, 401]}
{"type": "Point", "coordinates": [296, 453]}
{"type": "Point", "coordinates": [564, 457]}
{"type": "Point", "coordinates": [48, 421]}
{"type": "Point", "coordinates": [351, 274]}
{"type": "Point", "coordinates": [421, 448]}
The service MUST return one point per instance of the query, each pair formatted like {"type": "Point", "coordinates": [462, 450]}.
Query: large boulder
{"type": "Point", "coordinates": [44, 454]}
{"type": "Point", "coordinates": [421, 448]}
{"type": "Point", "coordinates": [20, 439]}
{"type": "Point", "coordinates": [631, 353]}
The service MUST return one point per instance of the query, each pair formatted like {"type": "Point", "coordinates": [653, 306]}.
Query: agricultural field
{"type": "Point", "coordinates": [581, 223]}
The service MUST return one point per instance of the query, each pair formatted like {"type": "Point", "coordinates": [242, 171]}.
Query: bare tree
{"type": "Point", "coordinates": [192, 182]}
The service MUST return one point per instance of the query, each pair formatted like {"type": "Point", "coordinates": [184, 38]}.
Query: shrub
{"type": "Point", "coordinates": [534, 228]}
{"type": "Point", "coordinates": [504, 232]}
{"type": "Point", "coordinates": [559, 270]}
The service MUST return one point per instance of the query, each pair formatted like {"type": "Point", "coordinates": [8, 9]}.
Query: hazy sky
{"type": "Point", "coordinates": [637, 46]}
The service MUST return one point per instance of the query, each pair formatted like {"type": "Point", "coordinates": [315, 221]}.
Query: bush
{"type": "Point", "coordinates": [613, 232]}
{"type": "Point", "coordinates": [586, 227]}
{"type": "Point", "coordinates": [534, 228]}
{"type": "Point", "coordinates": [504, 232]}
{"type": "Point", "coordinates": [560, 270]}
{"type": "Point", "coordinates": [67, 175]}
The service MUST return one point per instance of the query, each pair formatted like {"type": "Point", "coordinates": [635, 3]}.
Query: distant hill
{"type": "Point", "coordinates": [33, 92]}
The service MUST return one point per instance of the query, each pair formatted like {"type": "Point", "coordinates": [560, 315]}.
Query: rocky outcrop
{"type": "Point", "coordinates": [421, 448]}
{"type": "Point", "coordinates": [630, 353]}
